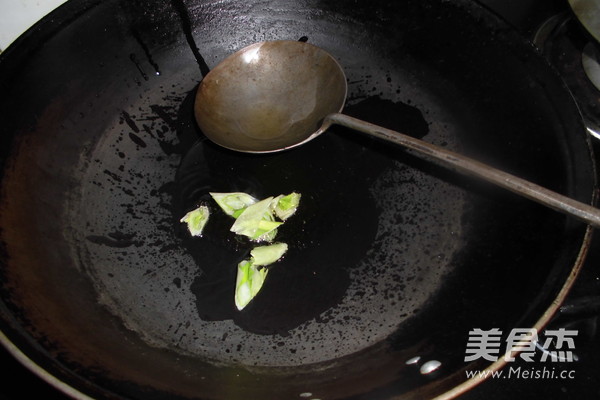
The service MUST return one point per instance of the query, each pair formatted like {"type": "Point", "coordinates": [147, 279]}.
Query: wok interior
{"type": "Point", "coordinates": [392, 257]}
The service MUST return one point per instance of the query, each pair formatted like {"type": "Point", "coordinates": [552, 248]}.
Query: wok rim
{"type": "Point", "coordinates": [544, 319]}
{"type": "Point", "coordinates": [40, 372]}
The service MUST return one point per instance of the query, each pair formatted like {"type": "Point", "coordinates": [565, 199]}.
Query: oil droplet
{"type": "Point", "coordinates": [413, 360]}
{"type": "Point", "coordinates": [429, 367]}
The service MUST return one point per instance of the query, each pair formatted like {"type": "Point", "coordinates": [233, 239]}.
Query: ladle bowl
{"type": "Point", "coordinates": [270, 96]}
{"type": "Point", "coordinates": [275, 95]}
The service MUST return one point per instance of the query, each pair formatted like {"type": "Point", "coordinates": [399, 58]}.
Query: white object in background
{"type": "Point", "coordinates": [16, 16]}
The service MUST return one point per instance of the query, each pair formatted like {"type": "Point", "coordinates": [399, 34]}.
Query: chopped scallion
{"type": "Point", "coordinates": [196, 220]}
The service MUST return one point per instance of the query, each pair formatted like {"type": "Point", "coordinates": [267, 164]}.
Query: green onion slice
{"type": "Point", "coordinates": [257, 221]}
{"type": "Point", "coordinates": [196, 220]}
{"type": "Point", "coordinates": [251, 274]}
{"type": "Point", "coordinates": [233, 203]}
{"type": "Point", "coordinates": [285, 206]}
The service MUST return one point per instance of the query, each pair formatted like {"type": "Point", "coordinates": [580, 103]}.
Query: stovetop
{"type": "Point", "coordinates": [540, 21]}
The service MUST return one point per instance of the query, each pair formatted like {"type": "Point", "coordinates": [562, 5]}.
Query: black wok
{"type": "Point", "coordinates": [105, 294]}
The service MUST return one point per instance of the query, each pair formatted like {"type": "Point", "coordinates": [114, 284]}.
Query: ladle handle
{"type": "Point", "coordinates": [468, 166]}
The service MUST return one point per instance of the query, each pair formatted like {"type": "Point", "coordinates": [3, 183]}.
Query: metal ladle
{"type": "Point", "coordinates": [276, 95]}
